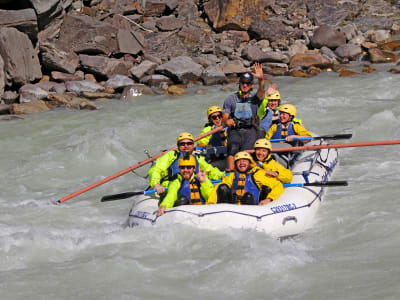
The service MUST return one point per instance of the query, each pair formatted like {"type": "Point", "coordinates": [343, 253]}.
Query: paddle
{"type": "Point", "coordinates": [342, 136]}
{"type": "Point", "coordinates": [138, 165]}
{"type": "Point", "coordinates": [348, 145]}
{"type": "Point", "coordinates": [131, 194]}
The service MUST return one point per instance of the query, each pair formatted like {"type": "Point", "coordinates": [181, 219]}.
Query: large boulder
{"type": "Point", "coordinates": [348, 51]}
{"type": "Point", "coordinates": [181, 69]}
{"type": "Point", "coordinates": [146, 67]}
{"type": "Point", "coordinates": [56, 59]}
{"type": "Point", "coordinates": [255, 54]}
{"type": "Point", "coordinates": [234, 14]}
{"type": "Point", "coordinates": [104, 67]}
{"type": "Point", "coordinates": [79, 87]}
{"type": "Point", "coordinates": [30, 92]}
{"type": "Point", "coordinates": [20, 59]}
{"type": "Point", "coordinates": [24, 20]}
{"type": "Point", "coordinates": [118, 82]}
{"type": "Point", "coordinates": [307, 60]}
{"type": "Point", "coordinates": [128, 42]}
{"type": "Point", "coordinates": [46, 10]}
{"type": "Point", "coordinates": [270, 30]}
{"type": "Point", "coordinates": [35, 106]}
{"type": "Point", "coordinates": [213, 75]}
{"type": "Point", "coordinates": [84, 34]}
{"type": "Point", "coordinates": [328, 36]}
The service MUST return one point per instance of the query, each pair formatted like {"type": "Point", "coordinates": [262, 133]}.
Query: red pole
{"type": "Point", "coordinates": [138, 165]}
{"type": "Point", "coordinates": [347, 145]}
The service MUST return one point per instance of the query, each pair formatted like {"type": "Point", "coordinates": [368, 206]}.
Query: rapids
{"type": "Point", "coordinates": [81, 249]}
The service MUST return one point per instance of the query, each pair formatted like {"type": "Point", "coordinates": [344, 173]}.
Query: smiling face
{"type": "Point", "coordinates": [284, 117]}
{"type": "Point", "coordinates": [216, 118]}
{"type": "Point", "coordinates": [245, 87]}
{"type": "Point", "coordinates": [186, 172]}
{"type": "Point", "coordinates": [273, 103]}
{"type": "Point", "coordinates": [261, 153]}
{"type": "Point", "coordinates": [186, 145]}
{"type": "Point", "coordinates": [242, 165]}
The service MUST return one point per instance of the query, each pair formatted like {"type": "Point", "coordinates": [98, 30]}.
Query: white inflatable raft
{"type": "Point", "coordinates": [290, 214]}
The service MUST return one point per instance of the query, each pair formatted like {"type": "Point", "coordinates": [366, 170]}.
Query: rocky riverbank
{"type": "Point", "coordinates": [70, 52]}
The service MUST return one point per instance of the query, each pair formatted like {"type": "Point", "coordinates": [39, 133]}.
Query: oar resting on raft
{"type": "Point", "coordinates": [131, 194]}
{"type": "Point", "coordinates": [341, 136]}
{"type": "Point", "coordinates": [138, 165]}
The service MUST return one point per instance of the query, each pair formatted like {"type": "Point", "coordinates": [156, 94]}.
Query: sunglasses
{"type": "Point", "coordinates": [216, 117]}
{"type": "Point", "coordinates": [185, 144]}
{"type": "Point", "coordinates": [245, 83]}
{"type": "Point", "coordinates": [186, 167]}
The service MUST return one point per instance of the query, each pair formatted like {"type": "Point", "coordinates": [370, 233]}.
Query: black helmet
{"type": "Point", "coordinates": [246, 77]}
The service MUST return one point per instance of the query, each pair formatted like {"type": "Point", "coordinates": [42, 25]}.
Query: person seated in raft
{"type": "Point", "coordinates": [287, 129]}
{"type": "Point", "coordinates": [269, 112]}
{"type": "Point", "coordinates": [166, 167]}
{"type": "Point", "coordinates": [217, 142]}
{"type": "Point", "coordinates": [247, 184]}
{"type": "Point", "coordinates": [264, 160]}
{"type": "Point", "coordinates": [187, 188]}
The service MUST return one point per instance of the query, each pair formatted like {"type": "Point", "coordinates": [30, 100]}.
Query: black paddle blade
{"type": "Point", "coordinates": [342, 136]}
{"type": "Point", "coordinates": [327, 183]}
{"type": "Point", "coordinates": [120, 196]}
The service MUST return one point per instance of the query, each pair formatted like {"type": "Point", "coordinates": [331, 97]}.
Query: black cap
{"type": "Point", "coordinates": [246, 77]}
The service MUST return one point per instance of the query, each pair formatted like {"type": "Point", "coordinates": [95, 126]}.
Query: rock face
{"type": "Point", "coordinates": [154, 44]}
{"type": "Point", "coordinates": [20, 60]}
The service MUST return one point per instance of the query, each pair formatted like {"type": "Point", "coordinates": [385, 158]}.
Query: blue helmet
{"type": "Point", "coordinates": [246, 77]}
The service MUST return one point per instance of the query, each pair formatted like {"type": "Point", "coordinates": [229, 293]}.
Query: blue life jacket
{"type": "Point", "coordinates": [278, 132]}
{"type": "Point", "coordinates": [266, 122]}
{"type": "Point", "coordinates": [219, 138]}
{"type": "Point", "coordinates": [249, 186]}
{"type": "Point", "coordinates": [174, 167]}
{"type": "Point", "coordinates": [193, 194]}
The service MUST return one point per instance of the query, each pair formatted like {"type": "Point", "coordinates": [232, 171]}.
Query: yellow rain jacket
{"type": "Point", "coordinates": [175, 185]}
{"type": "Point", "coordinates": [270, 164]}
{"type": "Point", "coordinates": [160, 169]}
{"type": "Point", "coordinates": [260, 179]}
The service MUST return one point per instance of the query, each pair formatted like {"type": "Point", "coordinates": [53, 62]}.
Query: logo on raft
{"type": "Point", "coordinates": [282, 208]}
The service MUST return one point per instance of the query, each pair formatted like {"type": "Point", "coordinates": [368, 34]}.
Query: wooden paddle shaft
{"type": "Point", "coordinates": [138, 165]}
{"type": "Point", "coordinates": [347, 145]}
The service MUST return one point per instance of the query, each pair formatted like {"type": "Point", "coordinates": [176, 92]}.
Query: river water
{"type": "Point", "coordinates": [81, 249]}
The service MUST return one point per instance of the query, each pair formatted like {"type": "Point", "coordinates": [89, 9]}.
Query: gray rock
{"type": "Point", "coordinates": [127, 42]}
{"type": "Point", "coordinates": [56, 59]}
{"type": "Point", "coordinates": [78, 87]}
{"type": "Point", "coordinates": [4, 109]}
{"type": "Point", "coordinates": [357, 40]}
{"type": "Point", "coordinates": [46, 10]}
{"type": "Point", "coordinates": [146, 67]}
{"type": "Point", "coordinates": [207, 60]}
{"type": "Point", "coordinates": [328, 52]}
{"type": "Point", "coordinates": [118, 81]}
{"type": "Point", "coordinates": [104, 67]}
{"type": "Point", "coordinates": [20, 59]}
{"type": "Point", "coordinates": [232, 67]}
{"type": "Point", "coordinates": [10, 97]}
{"type": "Point", "coordinates": [24, 20]}
{"type": "Point", "coordinates": [30, 92]}
{"type": "Point", "coordinates": [83, 34]}
{"type": "Point", "coordinates": [223, 50]}
{"type": "Point", "coordinates": [132, 91]}
{"type": "Point", "coordinates": [51, 86]}
{"type": "Point", "coordinates": [156, 80]}
{"type": "Point", "coordinates": [154, 59]}
{"type": "Point", "coordinates": [213, 75]}
{"type": "Point", "coordinates": [328, 36]}
{"type": "Point", "coordinates": [63, 77]}
{"type": "Point", "coordinates": [350, 31]}
{"type": "Point", "coordinates": [169, 23]}
{"type": "Point", "coordinates": [348, 51]}
{"type": "Point", "coordinates": [253, 54]}
{"type": "Point", "coordinates": [181, 69]}
{"type": "Point", "coordinates": [296, 48]}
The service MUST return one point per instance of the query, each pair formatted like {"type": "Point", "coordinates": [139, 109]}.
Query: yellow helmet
{"type": "Point", "coordinates": [213, 109]}
{"type": "Point", "coordinates": [243, 155]}
{"type": "Point", "coordinates": [275, 96]}
{"type": "Point", "coordinates": [288, 108]}
{"type": "Point", "coordinates": [185, 160]}
{"type": "Point", "coordinates": [263, 143]}
{"type": "Point", "coordinates": [183, 136]}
